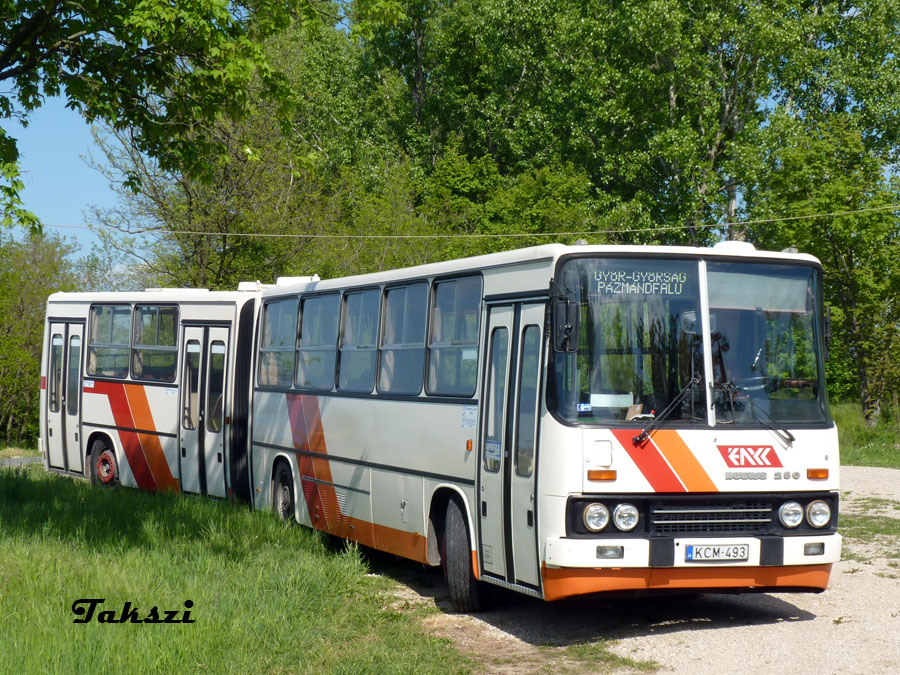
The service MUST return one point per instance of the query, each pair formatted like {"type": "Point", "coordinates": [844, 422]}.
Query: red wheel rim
{"type": "Point", "coordinates": [106, 467]}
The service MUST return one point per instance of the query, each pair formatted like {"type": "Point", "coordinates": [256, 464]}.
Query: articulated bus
{"type": "Point", "coordinates": [558, 420]}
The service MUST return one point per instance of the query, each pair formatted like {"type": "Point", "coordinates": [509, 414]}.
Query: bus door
{"type": "Point", "coordinates": [203, 409]}
{"type": "Point", "coordinates": [64, 396]}
{"type": "Point", "coordinates": [507, 505]}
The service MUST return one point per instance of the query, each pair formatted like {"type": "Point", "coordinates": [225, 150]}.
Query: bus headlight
{"type": "Point", "coordinates": [818, 513]}
{"type": "Point", "coordinates": [626, 517]}
{"type": "Point", "coordinates": [596, 517]}
{"type": "Point", "coordinates": [790, 514]}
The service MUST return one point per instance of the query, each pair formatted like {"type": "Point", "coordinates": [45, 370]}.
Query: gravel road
{"type": "Point", "coordinates": [853, 627]}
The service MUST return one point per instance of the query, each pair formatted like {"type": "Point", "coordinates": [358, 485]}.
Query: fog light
{"type": "Point", "coordinates": [818, 548]}
{"type": "Point", "coordinates": [610, 552]}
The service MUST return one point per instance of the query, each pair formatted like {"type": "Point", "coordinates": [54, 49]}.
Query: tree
{"type": "Point", "coordinates": [828, 169]}
{"type": "Point", "coordinates": [160, 69]}
{"type": "Point", "coordinates": [31, 268]}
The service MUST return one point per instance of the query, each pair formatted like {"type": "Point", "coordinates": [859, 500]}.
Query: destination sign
{"type": "Point", "coordinates": [642, 282]}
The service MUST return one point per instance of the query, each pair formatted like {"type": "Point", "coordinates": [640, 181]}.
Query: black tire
{"type": "Point", "coordinates": [283, 492]}
{"type": "Point", "coordinates": [102, 468]}
{"type": "Point", "coordinates": [466, 593]}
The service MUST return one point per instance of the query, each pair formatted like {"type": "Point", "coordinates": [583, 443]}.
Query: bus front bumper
{"type": "Point", "coordinates": [573, 567]}
{"type": "Point", "coordinates": [680, 551]}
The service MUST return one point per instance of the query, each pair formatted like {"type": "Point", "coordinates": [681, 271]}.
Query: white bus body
{"type": "Point", "coordinates": [149, 389]}
{"type": "Point", "coordinates": [556, 420]}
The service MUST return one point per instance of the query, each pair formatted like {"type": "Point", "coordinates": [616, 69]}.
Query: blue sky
{"type": "Point", "coordinates": [60, 188]}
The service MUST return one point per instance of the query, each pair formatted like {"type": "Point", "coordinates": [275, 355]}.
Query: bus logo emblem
{"type": "Point", "coordinates": [742, 456]}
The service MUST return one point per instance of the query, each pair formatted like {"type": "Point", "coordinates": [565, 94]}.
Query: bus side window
{"type": "Point", "coordinates": [356, 371]}
{"type": "Point", "coordinates": [453, 343]}
{"type": "Point", "coordinates": [277, 345]}
{"type": "Point", "coordinates": [317, 351]}
{"type": "Point", "coordinates": [109, 340]}
{"type": "Point", "coordinates": [154, 354]}
{"type": "Point", "coordinates": [403, 341]}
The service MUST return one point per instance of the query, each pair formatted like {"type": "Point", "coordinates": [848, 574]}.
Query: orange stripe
{"type": "Point", "coordinates": [565, 582]}
{"type": "Point", "coordinates": [143, 419]}
{"type": "Point", "coordinates": [683, 461]}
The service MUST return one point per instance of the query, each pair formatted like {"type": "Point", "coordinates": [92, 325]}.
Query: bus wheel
{"type": "Point", "coordinates": [465, 590]}
{"type": "Point", "coordinates": [283, 492]}
{"type": "Point", "coordinates": [102, 463]}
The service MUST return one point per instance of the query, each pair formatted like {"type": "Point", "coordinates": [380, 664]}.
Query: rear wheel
{"type": "Point", "coordinates": [465, 591]}
{"type": "Point", "coordinates": [283, 492]}
{"type": "Point", "coordinates": [102, 467]}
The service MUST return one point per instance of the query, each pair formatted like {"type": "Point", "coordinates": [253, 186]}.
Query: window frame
{"type": "Point", "coordinates": [432, 346]}
{"type": "Point", "coordinates": [92, 345]}
{"type": "Point", "coordinates": [355, 348]}
{"type": "Point", "coordinates": [324, 347]}
{"type": "Point", "coordinates": [262, 350]}
{"type": "Point", "coordinates": [392, 347]}
{"type": "Point", "coordinates": [143, 347]}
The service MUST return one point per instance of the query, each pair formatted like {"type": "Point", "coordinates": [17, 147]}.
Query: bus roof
{"type": "Point", "coordinates": [548, 253]}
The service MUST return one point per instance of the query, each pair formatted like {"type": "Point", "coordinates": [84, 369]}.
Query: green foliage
{"type": "Point", "coordinates": [266, 597]}
{"type": "Point", "coordinates": [863, 444]}
{"type": "Point", "coordinates": [641, 121]}
{"type": "Point", "coordinates": [30, 269]}
{"type": "Point", "coordinates": [162, 70]}
{"type": "Point", "coordinates": [827, 169]}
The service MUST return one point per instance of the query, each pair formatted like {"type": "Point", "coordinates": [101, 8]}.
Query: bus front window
{"type": "Point", "coordinates": [639, 342]}
{"type": "Point", "coordinates": [765, 346]}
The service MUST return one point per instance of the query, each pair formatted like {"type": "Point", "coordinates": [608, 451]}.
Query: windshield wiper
{"type": "Point", "coordinates": [667, 411]}
{"type": "Point", "coordinates": [769, 423]}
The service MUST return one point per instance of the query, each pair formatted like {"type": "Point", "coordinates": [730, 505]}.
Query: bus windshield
{"type": "Point", "coordinates": [639, 342]}
{"type": "Point", "coordinates": [764, 342]}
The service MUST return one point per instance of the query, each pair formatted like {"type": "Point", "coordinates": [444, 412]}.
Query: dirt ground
{"type": "Point", "coordinates": [853, 627]}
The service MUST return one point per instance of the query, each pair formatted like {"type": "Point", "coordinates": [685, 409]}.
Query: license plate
{"type": "Point", "coordinates": [720, 553]}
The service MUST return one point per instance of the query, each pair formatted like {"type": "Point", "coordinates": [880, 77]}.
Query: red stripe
{"type": "Point", "coordinates": [650, 462]}
{"type": "Point", "coordinates": [131, 444]}
{"type": "Point", "coordinates": [301, 438]}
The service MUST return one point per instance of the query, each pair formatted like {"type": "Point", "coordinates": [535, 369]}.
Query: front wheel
{"type": "Point", "coordinates": [465, 591]}
{"type": "Point", "coordinates": [283, 492]}
{"type": "Point", "coordinates": [102, 467]}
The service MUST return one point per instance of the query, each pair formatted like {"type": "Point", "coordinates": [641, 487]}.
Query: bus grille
{"type": "Point", "coordinates": [709, 517]}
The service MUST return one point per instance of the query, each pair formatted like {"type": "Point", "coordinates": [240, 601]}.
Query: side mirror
{"type": "Point", "coordinates": [827, 330]}
{"type": "Point", "coordinates": [565, 325]}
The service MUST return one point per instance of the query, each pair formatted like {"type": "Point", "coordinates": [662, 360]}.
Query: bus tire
{"type": "Point", "coordinates": [283, 492]}
{"type": "Point", "coordinates": [465, 591]}
{"type": "Point", "coordinates": [104, 472]}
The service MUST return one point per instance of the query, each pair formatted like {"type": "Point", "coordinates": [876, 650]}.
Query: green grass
{"type": "Point", "coordinates": [866, 528]}
{"type": "Point", "coordinates": [862, 445]}
{"type": "Point", "coordinates": [267, 597]}
{"type": "Point", "coordinates": [598, 652]}
{"type": "Point", "coordinates": [9, 453]}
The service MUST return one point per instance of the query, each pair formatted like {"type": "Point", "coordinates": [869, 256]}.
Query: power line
{"type": "Point", "coordinates": [510, 235]}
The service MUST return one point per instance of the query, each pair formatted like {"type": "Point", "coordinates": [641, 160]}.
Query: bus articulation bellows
{"type": "Point", "coordinates": [554, 420]}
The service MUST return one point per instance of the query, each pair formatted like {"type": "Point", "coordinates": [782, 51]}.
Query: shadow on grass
{"type": "Point", "coordinates": [590, 618]}
{"type": "Point", "coordinates": [34, 503]}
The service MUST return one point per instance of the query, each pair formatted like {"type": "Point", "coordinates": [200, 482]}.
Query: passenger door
{"type": "Point", "coordinates": [203, 412]}
{"type": "Point", "coordinates": [508, 450]}
{"type": "Point", "coordinates": [63, 398]}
